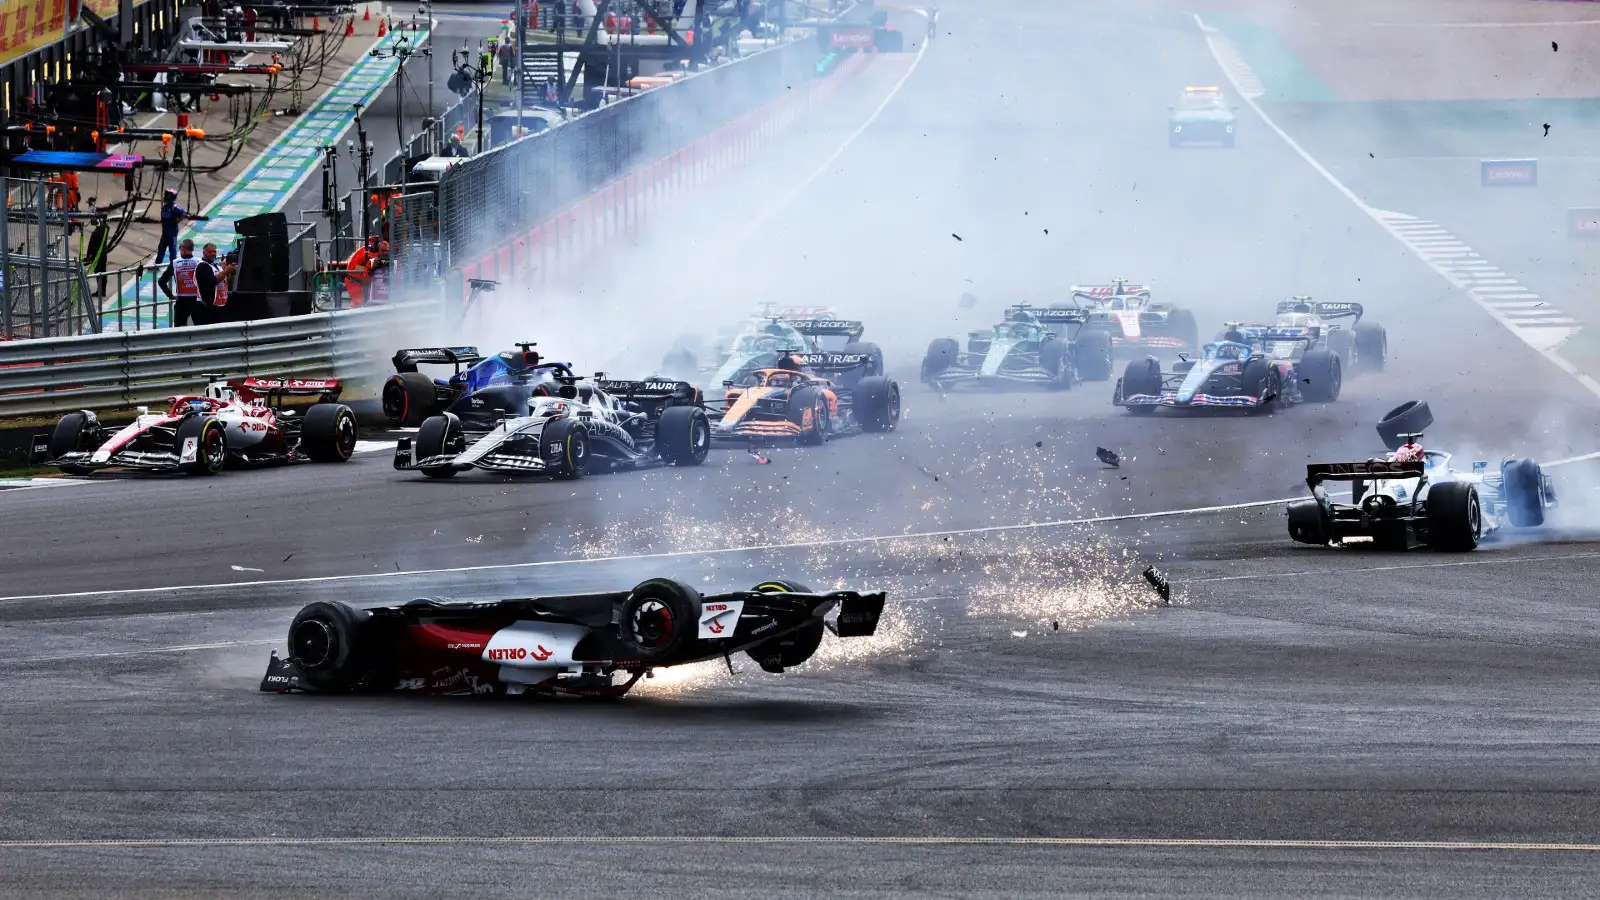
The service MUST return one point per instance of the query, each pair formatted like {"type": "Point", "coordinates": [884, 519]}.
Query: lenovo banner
{"type": "Point", "coordinates": [857, 38]}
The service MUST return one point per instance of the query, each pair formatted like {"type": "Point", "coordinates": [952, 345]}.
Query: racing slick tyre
{"type": "Point", "coordinates": [565, 444]}
{"type": "Point", "coordinates": [787, 650]}
{"type": "Point", "coordinates": [73, 434]}
{"type": "Point", "coordinates": [1522, 485]}
{"type": "Point", "coordinates": [1141, 376]}
{"type": "Point", "coordinates": [1092, 350]}
{"type": "Point", "coordinates": [328, 644]}
{"type": "Point", "coordinates": [328, 433]}
{"type": "Point", "coordinates": [1263, 376]}
{"type": "Point", "coordinates": [683, 436]}
{"type": "Point", "coordinates": [1371, 345]}
{"type": "Point", "coordinates": [1055, 356]}
{"type": "Point", "coordinates": [1410, 417]}
{"type": "Point", "coordinates": [1306, 525]}
{"type": "Point", "coordinates": [1321, 375]}
{"type": "Point", "coordinates": [436, 437]}
{"type": "Point", "coordinates": [1343, 343]}
{"type": "Point", "coordinates": [1181, 325]}
{"type": "Point", "coordinates": [877, 403]}
{"type": "Point", "coordinates": [871, 351]}
{"type": "Point", "coordinates": [409, 398]}
{"type": "Point", "coordinates": [942, 354]}
{"type": "Point", "coordinates": [659, 618]}
{"type": "Point", "coordinates": [1455, 517]}
{"type": "Point", "coordinates": [816, 402]}
{"type": "Point", "coordinates": [210, 446]}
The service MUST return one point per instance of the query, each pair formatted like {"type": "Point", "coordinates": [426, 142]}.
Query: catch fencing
{"type": "Point", "coordinates": [50, 376]}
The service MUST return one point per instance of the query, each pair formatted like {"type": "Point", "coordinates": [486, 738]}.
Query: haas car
{"type": "Point", "coordinates": [238, 423]}
{"type": "Point", "coordinates": [1236, 373]}
{"type": "Point", "coordinates": [1137, 325]}
{"type": "Point", "coordinates": [1202, 116]}
{"type": "Point", "coordinates": [1033, 346]}
{"type": "Point", "coordinates": [762, 339]}
{"type": "Point", "coordinates": [794, 400]}
{"type": "Point", "coordinates": [410, 397]}
{"type": "Point", "coordinates": [547, 423]}
{"type": "Point", "coordinates": [1362, 347]}
{"type": "Point", "coordinates": [1413, 496]}
{"type": "Point", "coordinates": [595, 645]}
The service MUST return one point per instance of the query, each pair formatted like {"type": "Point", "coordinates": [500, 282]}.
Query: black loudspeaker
{"type": "Point", "coordinates": [264, 256]}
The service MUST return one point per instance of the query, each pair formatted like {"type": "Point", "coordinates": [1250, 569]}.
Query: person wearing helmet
{"type": "Point", "coordinates": [775, 329]}
{"type": "Point", "coordinates": [1234, 335]}
{"type": "Point", "coordinates": [171, 215]}
{"type": "Point", "coordinates": [787, 362]}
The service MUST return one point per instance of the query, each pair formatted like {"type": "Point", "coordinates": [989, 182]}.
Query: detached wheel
{"type": "Point", "coordinates": [565, 444]}
{"type": "Point", "coordinates": [660, 618]}
{"type": "Point", "coordinates": [683, 436]}
{"type": "Point", "coordinates": [1455, 517]}
{"type": "Point", "coordinates": [210, 446]}
{"type": "Point", "coordinates": [787, 650]}
{"type": "Point", "coordinates": [328, 644]}
{"type": "Point", "coordinates": [329, 433]}
{"type": "Point", "coordinates": [73, 433]}
{"type": "Point", "coordinates": [942, 354]}
{"type": "Point", "coordinates": [1522, 485]}
{"type": "Point", "coordinates": [1411, 417]}
{"type": "Point", "coordinates": [409, 399]}
{"type": "Point", "coordinates": [437, 437]}
{"type": "Point", "coordinates": [877, 404]}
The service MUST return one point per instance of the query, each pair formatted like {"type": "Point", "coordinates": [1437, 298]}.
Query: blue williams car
{"type": "Point", "coordinates": [410, 397]}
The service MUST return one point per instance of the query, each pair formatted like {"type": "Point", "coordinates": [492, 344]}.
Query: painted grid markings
{"type": "Point", "coordinates": [1542, 324]}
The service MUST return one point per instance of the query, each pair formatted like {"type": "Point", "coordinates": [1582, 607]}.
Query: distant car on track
{"type": "Point", "coordinates": [1046, 347]}
{"type": "Point", "coordinates": [1137, 324]}
{"type": "Point", "coordinates": [240, 423]}
{"type": "Point", "coordinates": [1362, 347]}
{"type": "Point", "coordinates": [552, 425]}
{"type": "Point", "coordinates": [1414, 496]}
{"type": "Point", "coordinates": [409, 397]}
{"type": "Point", "coordinates": [1202, 116]}
{"type": "Point", "coordinates": [795, 400]}
{"type": "Point", "coordinates": [761, 339]}
{"type": "Point", "coordinates": [590, 645]}
{"type": "Point", "coordinates": [1233, 373]}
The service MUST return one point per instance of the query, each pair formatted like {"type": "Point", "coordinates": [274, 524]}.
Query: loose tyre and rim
{"type": "Point", "coordinates": [408, 399]}
{"type": "Point", "coordinates": [327, 643]}
{"type": "Point", "coordinates": [877, 404]}
{"type": "Point", "coordinates": [72, 434]}
{"type": "Point", "coordinates": [210, 446]}
{"type": "Point", "coordinates": [434, 439]}
{"type": "Point", "coordinates": [329, 433]}
{"type": "Point", "coordinates": [1411, 417]}
{"type": "Point", "coordinates": [787, 650]}
{"type": "Point", "coordinates": [683, 436]}
{"type": "Point", "coordinates": [659, 618]}
{"type": "Point", "coordinates": [1455, 517]}
{"type": "Point", "coordinates": [942, 354]}
{"type": "Point", "coordinates": [1522, 484]}
{"type": "Point", "coordinates": [821, 425]}
{"type": "Point", "coordinates": [565, 444]}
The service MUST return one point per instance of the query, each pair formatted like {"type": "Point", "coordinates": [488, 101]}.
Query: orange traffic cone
{"type": "Point", "coordinates": [350, 28]}
{"type": "Point", "coordinates": [316, 24]}
{"type": "Point", "coordinates": [383, 27]}
{"type": "Point", "coordinates": [366, 14]}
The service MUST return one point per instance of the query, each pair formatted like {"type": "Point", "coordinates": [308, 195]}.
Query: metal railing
{"type": "Point", "coordinates": [58, 375]}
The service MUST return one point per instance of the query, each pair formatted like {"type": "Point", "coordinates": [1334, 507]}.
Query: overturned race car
{"type": "Point", "coordinates": [591, 645]}
{"type": "Point", "coordinates": [234, 423]}
{"type": "Point", "coordinates": [1412, 496]}
{"type": "Point", "coordinates": [1044, 347]}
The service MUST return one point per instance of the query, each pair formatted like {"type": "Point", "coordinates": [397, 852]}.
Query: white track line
{"type": "Point", "coordinates": [828, 840]}
{"type": "Point", "coordinates": [1490, 560]}
{"type": "Point", "coordinates": [188, 648]}
{"type": "Point", "coordinates": [1404, 228]}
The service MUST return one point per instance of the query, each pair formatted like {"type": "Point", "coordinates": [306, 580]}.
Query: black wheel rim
{"type": "Point", "coordinates": [894, 406]}
{"type": "Point", "coordinates": [699, 439]}
{"type": "Point", "coordinates": [1474, 516]}
{"type": "Point", "coordinates": [346, 435]}
{"type": "Point", "coordinates": [394, 402]}
{"type": "Point", "coordinates": [312, 643]}
{"type": "Point", "coordinates": [651, 624]}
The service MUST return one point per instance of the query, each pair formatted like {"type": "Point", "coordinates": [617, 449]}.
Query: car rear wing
{"type": "Point", "coordinates": [272, 388]}
{"type": "Point", "coordinates": [1324, 310]}
{"type": "Point", "coordinates": [1099, 292]}
{"type": "Point", "coordinates": [1276, 333]}
{"type": "Point", "coordinates": [821, 327]}
{"type": "Point", "coordinates": [1317, 473]}
{"type": "Point", "coordinates": [832, 362]}
{"type": "Point", "coordinates": [1056, 315]}
{"type": "Point", "coordinates": [653, 393]}
{"type": "Point", "coordinates": [408, 360]}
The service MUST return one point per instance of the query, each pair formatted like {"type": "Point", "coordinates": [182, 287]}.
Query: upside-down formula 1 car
{"type": "Point", "coordinates": [1202, 116]}
{"type": "Point", "coordinates": [794, 400]}
{"type": "Point", "coordinates": [1033, 346]}
{"type": "Point", "coordinates": [1414, 496]}
{"type": "Point", "coordinates": [758, 344]}
{"type": "Point", "coordinates": [1362, 347]}
{"type": "Point", "coordinates": [239, 423]}
{"type": "Point", "coordinates": [549, 424]}
{"type": "Point", "coordinates": [409, 397]}
{"type": "Point", "coordinates": [1233, 373]}
{"type": "Point", "coordinates": [594, 645]}
{"type": "Point", "coordinates": [1137, 325]}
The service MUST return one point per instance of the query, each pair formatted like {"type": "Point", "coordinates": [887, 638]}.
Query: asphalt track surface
{"type": "Point", "coordinates": [1025, 688]}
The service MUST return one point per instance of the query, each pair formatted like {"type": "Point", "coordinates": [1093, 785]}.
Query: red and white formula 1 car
{"type": "Point", "coordinates": [237, 422]}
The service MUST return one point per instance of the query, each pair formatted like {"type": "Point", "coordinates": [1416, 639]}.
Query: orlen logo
{"type": "Point", "coordinates": [518, 653]}
{"type": "Point", "coordinates": [716, 607]}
